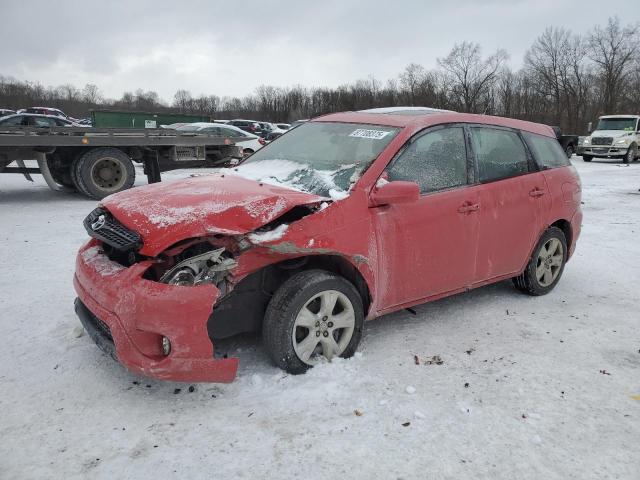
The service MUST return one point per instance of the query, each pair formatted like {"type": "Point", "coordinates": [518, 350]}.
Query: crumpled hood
{"type": "Point", "coordinates": [165, 213]}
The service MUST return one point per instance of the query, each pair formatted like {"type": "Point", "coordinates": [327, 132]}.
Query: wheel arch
{"type": "Point", "coordinates": [243, 308]}
{"type": "Point", "coordinates": [565, 226]}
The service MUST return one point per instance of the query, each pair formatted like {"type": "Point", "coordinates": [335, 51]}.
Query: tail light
{"type": "Point", "coordinates": [262, 141]}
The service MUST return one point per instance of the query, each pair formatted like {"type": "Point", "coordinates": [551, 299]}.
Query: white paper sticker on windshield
{"type": "Point", "coordinates": [364, 133]}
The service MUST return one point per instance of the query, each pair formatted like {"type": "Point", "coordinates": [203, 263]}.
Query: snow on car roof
{"type": "Point", "coordinates": [406, 110]}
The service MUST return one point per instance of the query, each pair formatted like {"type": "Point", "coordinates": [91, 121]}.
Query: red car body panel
{"type": "Point", "coordinates": [443, 243]}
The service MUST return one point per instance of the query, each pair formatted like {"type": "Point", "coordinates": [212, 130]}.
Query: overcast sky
{"type": "Point", "coordinates": [231, 47]}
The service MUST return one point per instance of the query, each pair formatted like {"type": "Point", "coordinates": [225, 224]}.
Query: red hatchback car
{"type": "Point", "coordinates": [344, 218]}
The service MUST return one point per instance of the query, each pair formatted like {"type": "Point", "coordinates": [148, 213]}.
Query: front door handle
{"type": "Point", "coordinates": [536, 192]}
{"type": "Point", "coordinates": [468, 207]}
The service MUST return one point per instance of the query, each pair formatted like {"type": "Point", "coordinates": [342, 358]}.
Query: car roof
{"type": "Point", "coordinates": [223, 125]}
{"type": "Point", "coordinates": [620, 116]}
{"type": "Point", "coordinates": [419, 121]}
{"type": "Point", "coordinates": [27, 114]}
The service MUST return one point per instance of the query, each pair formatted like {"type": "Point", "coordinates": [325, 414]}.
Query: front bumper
{"type": "Point", "coordinates": [127, 316]}
{"type": "Point", "coordinates": [606, 151]}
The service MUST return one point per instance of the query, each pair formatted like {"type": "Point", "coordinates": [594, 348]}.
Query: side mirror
{"type": "Point", "coordinates": [395, 192]}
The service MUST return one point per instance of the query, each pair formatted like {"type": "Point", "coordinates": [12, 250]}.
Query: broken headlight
{"type": "Point", "coordinates": [209, 267]}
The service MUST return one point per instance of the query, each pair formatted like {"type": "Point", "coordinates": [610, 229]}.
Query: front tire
{"type": "Point", "coordinates": [630, 156]}
{"type": "Point", "coordinates": [569, 151]}
{"type": "Point", "coordinates": [546, 265]}
{"type": "Point", "coordinates": [313, 314]}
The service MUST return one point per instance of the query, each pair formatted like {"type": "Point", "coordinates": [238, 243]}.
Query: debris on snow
{"type": "Point", "coordinates": [357, 413]}
{"type": "Point", "coordinates": [435, 360]}
{"type": "Point", "coordinates": [406, 424]}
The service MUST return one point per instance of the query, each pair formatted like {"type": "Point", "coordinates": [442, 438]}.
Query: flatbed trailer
{"type": "Point", "coordinates": [100, 161]}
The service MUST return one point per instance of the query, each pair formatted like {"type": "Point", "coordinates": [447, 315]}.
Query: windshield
{"type": "Point", "coordinates": [322, 158]}
{"type": "Point", "coordinates": [628, 124]}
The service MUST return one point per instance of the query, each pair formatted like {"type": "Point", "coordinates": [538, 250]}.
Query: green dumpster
{"type": "Point", "coordinates": [124, 119]}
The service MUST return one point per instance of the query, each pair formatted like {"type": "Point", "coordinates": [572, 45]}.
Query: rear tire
{"type": "Point", "coordinates": [102, 172]}
{"type": "Point", "coordinates": [285, 333]}
{"type": "Point", "coordinates": [546, 264]}
{"type": "Point", "coordinates": [587, 158]}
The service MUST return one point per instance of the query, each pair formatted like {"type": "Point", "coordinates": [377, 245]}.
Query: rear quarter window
{"type": "Point", "coordinates": [546, 150]}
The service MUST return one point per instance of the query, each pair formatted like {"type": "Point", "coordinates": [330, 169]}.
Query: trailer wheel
{"type": "Point", "coordinates": [103, 171]}
{"type": "Point", "coordinates": [60, 176]}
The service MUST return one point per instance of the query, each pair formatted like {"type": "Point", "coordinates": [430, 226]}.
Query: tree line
{"type": "Point", "coordinates": [567, 79]}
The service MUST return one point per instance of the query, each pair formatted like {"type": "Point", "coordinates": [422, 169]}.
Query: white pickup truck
{"type": "Point", "coordinates": [615, 136]}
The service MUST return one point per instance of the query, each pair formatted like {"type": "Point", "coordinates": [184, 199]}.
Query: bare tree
{"type": "Point", "coordinates": [91, 94]}
{"type": "Point", "coordinates": [614, 50]}
{"type": "Point", "coordinates": [470, 76]}
{"type": "Point", "coordinates": [182, 100]}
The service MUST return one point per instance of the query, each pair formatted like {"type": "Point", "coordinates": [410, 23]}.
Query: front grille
{"type": "Point", "coordinates": [601, 140]}
{"type": "Point", "coordinates": [100, 224]}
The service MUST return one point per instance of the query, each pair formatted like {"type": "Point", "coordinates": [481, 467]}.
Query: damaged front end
{"type": "Point", "coordinates": [152, 313]}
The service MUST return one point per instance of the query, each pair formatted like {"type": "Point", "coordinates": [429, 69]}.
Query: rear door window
{"type": "Point", "coordinates": [13, 121]}
{"type": "Point", "coordinates": [436, 161]}
{"type": "Point", "coordinates": [499, 153]}
{"type": "Point", "coordinates": [548, 152]}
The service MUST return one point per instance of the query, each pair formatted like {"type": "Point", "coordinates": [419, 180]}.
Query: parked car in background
{"type": "Point", "coordinates": [569, 143]}
{"type": "Point", "coordinates": [249, 145]}
{"type": "Point", "coordinates": [35, 120]}
{"type": "Point", "coordinates": [55, 112]}
{"type": "Point", "coordinates": [250, 126]}
{"type": "Point", "coordinates": [441, 203]}
{"type": "Point", "coordinates": [615, 136]}
{"type": "Point", "coordinates": [4, 112]}
{"type": "Point", "coordinates": [283, 126]}
{"type": "Point", "coordinates": [271, 136]}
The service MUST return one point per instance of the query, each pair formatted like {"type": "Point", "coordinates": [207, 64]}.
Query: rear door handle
{"type": "Point", "coordinates": [468, 207]}
{"type": "Point", "coordinates": [536, 192]}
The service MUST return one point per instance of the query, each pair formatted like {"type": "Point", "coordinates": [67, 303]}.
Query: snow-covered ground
{"type": "Point", "coordinates": [529, 388]}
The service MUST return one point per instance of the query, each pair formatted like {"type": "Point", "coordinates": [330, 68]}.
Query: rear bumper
{"type": "Point", "coordinates": [127, 316]}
